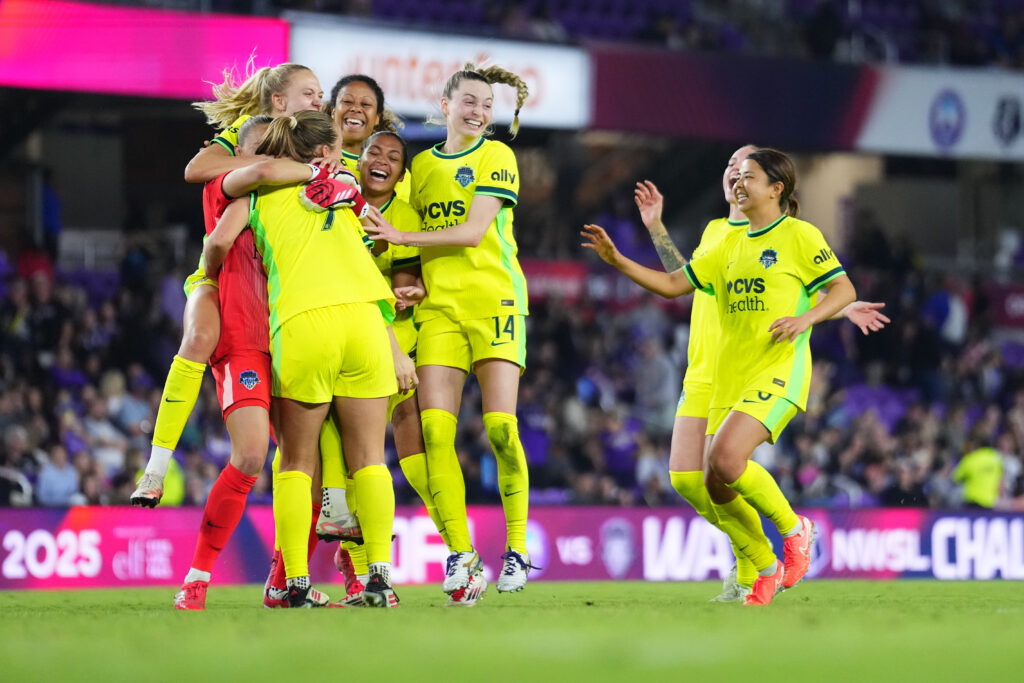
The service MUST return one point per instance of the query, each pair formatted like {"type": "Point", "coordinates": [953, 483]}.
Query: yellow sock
{"type": "Point", "coordinates": [415, 469]}
{"type": "Point", "coordinates": [743, 525]}
{"type": "Point", "coordinates": [445, 476]}
{"type": "Point", "coordinates": [376, 501]}
{"type": "Point", "coordinates": [331, 455]}
{"type": "Point", "coordinates": [759, 489]}
{"type": "Point", "coordinates": [293, 514]}
{"type": "Point", "coordinates": [513, 475]}
{"type": "Point", "coordinates": [690, 485]}
{"type": "Point", "coordinates": [275, 472]}
{"type": "Point", "coordinates": [357, 551]}
{"type": "Point", "coordinates": [181, 389]}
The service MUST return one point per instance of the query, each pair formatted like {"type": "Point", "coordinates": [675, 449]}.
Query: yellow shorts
{"type": "Point", "coordinates": [339, 350]}
{"type": "Point", "coordinates": [406, 333]}
{"type": "Point", "coordinates": [462, 343]}
{"type": "Point", "coordinates": [774, 412]}
{"type": "Point", "coordinates": [396, 400]}
{"type": "Point", "coordinates": [695, 401]}
{"type": "Point", "coordinates": [197, 278]}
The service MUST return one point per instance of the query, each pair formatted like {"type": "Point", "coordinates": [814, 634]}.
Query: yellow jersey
{"type": "Point", "coordinates": [467, 283]}
{"type": "Point", "coordinates": [705, 328]}
{"type": "Point", "coordinates": [312, 259]}
{"type": "Point", "coordinates": [758, 278]}
{"type": "Point", "coordinates": [400, 257]}
{"type": "Point", "coordinates": [228, 138]}
{"type": "Point", "coordinates": [402, 187]}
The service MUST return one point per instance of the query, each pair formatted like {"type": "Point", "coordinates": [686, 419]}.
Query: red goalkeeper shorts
{"type": "Point", "coordinates": [243, 379]}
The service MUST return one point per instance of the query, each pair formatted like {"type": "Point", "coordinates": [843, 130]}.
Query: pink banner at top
{"type": "Point", "coordinates": [129, 51]}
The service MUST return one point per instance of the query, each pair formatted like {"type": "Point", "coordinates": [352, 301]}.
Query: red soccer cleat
{"type": "Point", "coordinates": [796, 550]}
{"type": "Point", "coordinates": [274, 596]}
{"type": "Point", "coordinates": [765, 588]}
{"type": "Point", "coordinates": [191, 596]}
{"type": "Point", "coordinates": [353, 586]}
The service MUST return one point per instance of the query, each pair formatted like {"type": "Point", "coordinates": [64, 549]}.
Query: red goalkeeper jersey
{"type": "Point", "coordinates": [244, 320]}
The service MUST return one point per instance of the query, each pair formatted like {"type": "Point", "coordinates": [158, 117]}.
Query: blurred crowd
{"type": "Point", "coordinates": [928, 412]}
{"type": "Point", "coordinates": [961, 32]}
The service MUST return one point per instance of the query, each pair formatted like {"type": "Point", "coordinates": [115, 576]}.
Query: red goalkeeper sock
{"type": "Point", "coordinates": [224, 508]}
{"type": "Point", "coordinates": [313, 540]}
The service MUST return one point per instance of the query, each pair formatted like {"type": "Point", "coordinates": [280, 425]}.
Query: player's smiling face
{"type": "Point", "coordinates": [469, 110]}
{"type": "Point", "coordinates": [732, 171]}
{"type": "Point", "coordinates": [753, 189]}
{"type": "Point", "coordinates": [302, 93]}
{"type": "Point", "coordinates": [355, 111]}
{"type": "Point", "coordinates": [382, 165]}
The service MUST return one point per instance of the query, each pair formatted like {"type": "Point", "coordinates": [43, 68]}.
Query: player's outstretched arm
{"type": "Point", "coordinates": [213, 160]}
{"type": "Point", "coordinates": [650, 203]}
{"type": "Point", "coordinates": [866, 315]}
{"type": "Point", "coordinates": [668, 285]}
{"type": "Point", "coordinates": [841, 293]}
{"type": "Point", "coordinates": [276, 172]}
{"type": "Point", "coordinates": [482, 213]}
{"type": "Point", "coordinates": [232, 222]}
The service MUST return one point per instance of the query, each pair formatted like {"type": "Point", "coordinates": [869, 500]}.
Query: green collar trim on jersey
{"type": "Point", "coordinates": [436, 149]}
{"type": "Point", "coordinates": [387, 203]}
{"type": "Point", "coordinates": [767, 227]}
{"type": "Point", "coordinates": [737, 223]}
{"type": "Point", "coordinates": [349, 155]}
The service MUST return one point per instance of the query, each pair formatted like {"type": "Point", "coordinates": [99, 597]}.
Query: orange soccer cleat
{"type": "Point", "coordinates": [765, 588]}
{"type": "Point", "coordinates": [796, 550]}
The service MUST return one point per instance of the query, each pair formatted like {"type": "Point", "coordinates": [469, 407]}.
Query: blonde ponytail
{"type": "Point", "coordinates": [298, 136]}
{"type": "Point", "coordinates": [253, 96]}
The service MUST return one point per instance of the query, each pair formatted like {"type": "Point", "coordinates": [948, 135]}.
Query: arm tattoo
{"type": "Point", "coordinates": [667, 252]}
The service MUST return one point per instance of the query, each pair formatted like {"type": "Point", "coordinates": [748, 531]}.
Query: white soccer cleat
{"type": "Point", "coordinates": [149, 491]}
{"type": "Point", "coordinates": [337, 523]}
{"type": "Point", "coordinates": [732, 591]}
{"type": "Point", "coordinates": [458, 570]}
{"type": "Point", "coordinates": [468, 596]}
{"type": "Point", "coordinates": [514, 572]}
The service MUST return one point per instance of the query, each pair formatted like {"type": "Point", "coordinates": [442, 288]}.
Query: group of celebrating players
{"type": "Point", "coordinates": [338, 291]}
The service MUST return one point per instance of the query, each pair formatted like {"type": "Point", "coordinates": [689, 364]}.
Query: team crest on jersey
{"type": "Point", "coordinates": [769, 257]}
{"type": "Point", "coordinates": [464, 176]}
{"type": "Point", "coordinates": [249, 379]}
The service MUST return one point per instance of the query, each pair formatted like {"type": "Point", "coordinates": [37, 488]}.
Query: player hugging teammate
{"type": "Point", "coordinates": [254, 302]}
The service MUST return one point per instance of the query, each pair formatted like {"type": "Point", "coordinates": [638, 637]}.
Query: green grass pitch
{"type": "Point", "coordinates": [575, 632]}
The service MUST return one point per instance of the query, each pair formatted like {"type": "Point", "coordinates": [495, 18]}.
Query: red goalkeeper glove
{"type": "Point", "coordinates": [329, 193]}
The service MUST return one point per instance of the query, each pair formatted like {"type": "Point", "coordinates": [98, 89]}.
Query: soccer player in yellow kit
{"type": "Point", "coordinates": [356, 105]}
{"type": "Point", "coordinates": [275, 91]}
{"type": "Point", "coordinates": [686, 457]}
{"type": "Point", "coordinates": [329, 314]}
{"type": "Point", "coordinates": [382, 168]}
{"type": "Point", "coordinates": [473, 316]}
{"type": "Point", "coordinates": [763, 279]}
